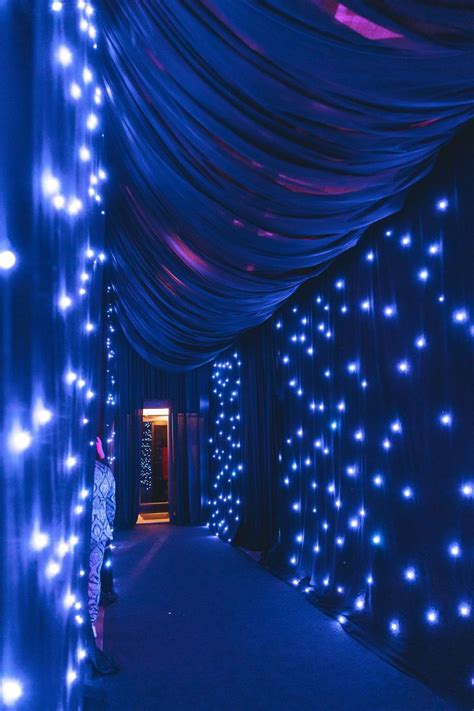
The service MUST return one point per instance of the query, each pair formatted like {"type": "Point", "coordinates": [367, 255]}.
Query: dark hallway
{"type": "Point", "coordinates": [199, 625]}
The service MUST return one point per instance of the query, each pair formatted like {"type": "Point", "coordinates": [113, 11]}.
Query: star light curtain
{"type": "Point", "coordinates": [225, 447]}
{"type": "Point", "coordinates": [51, 230]}
{"type": "Point", "coordinates": [255, 141]}
{"type": "Point", "coordinates": [376, 466]}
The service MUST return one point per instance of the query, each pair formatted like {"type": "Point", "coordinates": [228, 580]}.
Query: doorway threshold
{"type": "Point", "coordinates": [155, 517]}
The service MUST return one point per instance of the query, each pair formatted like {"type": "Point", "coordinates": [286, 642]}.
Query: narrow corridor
{"type": "Point", "coordinates": [201, 626]}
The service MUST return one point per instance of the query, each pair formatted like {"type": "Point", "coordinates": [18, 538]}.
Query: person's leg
{"type": "Point", "coordinates": [95, 564]}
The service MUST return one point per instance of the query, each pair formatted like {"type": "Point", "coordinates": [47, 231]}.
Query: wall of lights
{"type": "Point", "coordinates": [51, 234]}
{"type": "Point", "coordinates": [226, 465]}
{"type": "Point", "coordinates": [375, 465]}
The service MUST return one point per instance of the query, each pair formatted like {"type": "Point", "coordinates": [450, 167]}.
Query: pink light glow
{"type": "Point", "coordinates": [363, 27]}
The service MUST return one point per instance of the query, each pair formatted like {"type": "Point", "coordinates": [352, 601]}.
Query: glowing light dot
{"type": "Point", "coordinates": [467, 490]}
{"type": "Point", "coordinates": [446, 419]}
{"type": "Point", "coordinates": [341, 619]}
{"type": "Point", "coordinates": [89, 327]}
{"type": "Point", "coordinates": [410, 574]}
{"type": "Point", "coordinates": [432, 616]}
{"type": "Point", "coordinates": [423, 275]}
{"type": "Point", "coordinates": [442, 205]}
{"type": "Point", "coordinates": [39, 541]}
{"type": "Point", "coordinates": [464, 609]}
{"type": "Point", "coordinates": [407, 492]}
{"type": "Point", "coordinates": [365, 305]}
{"type": "Point", "coordinates": [341, 406]}
{"type": "Point", "coordinates": [7, 259]}
{"type": "Point", "coordinates": [389, 311]}
{"type": "Point", "coordinates": [84, 154]}
{"type": "Point", "coordinates": [56, 6]}
{"type": "Point", "coordinates": [19, 440]}
{"type": "Point", "coordinates": [378, 480]}
{"type": "Point", "coordinates": [11, 690]}
{"type": "Point", "coordinates": [70, 377]}
{"type": "Point", "coordinates": [370, 256]}
{"type": "Point", "coordinates": [370, 580]}
{"type": "Point", "coordinates": [460, 316]}
{"type": "Point", "coordinates": [70, 462]}
{"type": "Point", "coordinates": [92, 122]}
{"type": "Point", "coordinates": [71, 676]}
{"type": "Point", "coordinates": [396, 426]}
{"type": "Point", "coordinates": [405, 241]}
{"type": "Point", "coordinates": [434, 249]}
{"type": "Point", "coordinates": [376, 539]}
{"type": "Point", "coordinates": [64, 55]}
{"type": "Point", "coordinates": [52, 569]}
{"type": "Point", "coordinates": [58, 202]}
{"type": "Point", "coordinates": [394, 627]}
{"type": "Point", "coordinates": [50, 184]}
{"type": "Point", "coordinates": [65, 302]}
{"type": "Point", "coordinates": [354, 523]}
{"type": "Point", "coordinates": [86, 75]}
{"type": "Point", "coordinates": [403, 366]}
{"type": "Point", "coordinates": [74, 206]}
{"type": "Point", "coordinates": [420, 342]}
{"type": "Point", "coordinates": [360, 603]}
{"type": "Point", "coordinates": [455, 550]}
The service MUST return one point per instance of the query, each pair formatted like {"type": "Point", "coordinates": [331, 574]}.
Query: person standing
{"type": "Point", "coordinates": [103, 515]}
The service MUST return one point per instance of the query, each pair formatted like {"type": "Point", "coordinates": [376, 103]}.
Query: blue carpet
{"type": "Point", "coordinates": [201, 626]}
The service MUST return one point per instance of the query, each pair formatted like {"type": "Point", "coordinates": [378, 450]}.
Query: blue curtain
{"type": "Point", "coordinates": [252, 142]}
{"type": "Point", "coordinates": [51, 233]}
{"type": "Point", "coordinates": [372, 458]}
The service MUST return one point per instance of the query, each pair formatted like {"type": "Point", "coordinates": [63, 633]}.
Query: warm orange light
{"type": "Point", "coordinates": [154, 411]}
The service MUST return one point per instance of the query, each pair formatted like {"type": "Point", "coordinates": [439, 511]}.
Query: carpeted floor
{"type": "Point", "coordinates": [200, 626]}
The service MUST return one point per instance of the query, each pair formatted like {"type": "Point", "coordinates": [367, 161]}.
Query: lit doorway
{"type": "Point", "coordinates": [155, 466]}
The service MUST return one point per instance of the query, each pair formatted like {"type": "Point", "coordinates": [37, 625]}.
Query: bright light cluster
{"type": "Point", "coordinates": [225, 445]}
{"type": "Point", "coordinates": [55, 545]}
{"type": "Point", "coordinates": [341, 465]}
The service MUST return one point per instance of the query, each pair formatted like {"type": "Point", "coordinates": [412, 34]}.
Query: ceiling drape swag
{"type": "Point", "coordinates": [255, 141]}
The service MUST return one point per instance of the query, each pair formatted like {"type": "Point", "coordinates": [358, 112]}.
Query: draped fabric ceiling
{"type": "Point", "coordinates": [254, 141]}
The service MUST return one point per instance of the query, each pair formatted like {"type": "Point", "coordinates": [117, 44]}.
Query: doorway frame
{"type": "Point", "coordinates": [163, 404]}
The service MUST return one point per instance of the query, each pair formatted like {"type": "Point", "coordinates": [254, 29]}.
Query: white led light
{"type": "Point", "coordinates": [394, 627]}
{"type": "Point", "coordinates": [58, 202]}
{"type": "Point", "coordinates": [370, 256]}
{"type": "Point", "coordinates": [442, 205]}
{"type": "Point", "coordinates": [84, 154]}
{"type": "Point", "coordinates": [64, 55]}
{"type": "Point", "coordinates": [56, 6]}
{"type": "Point", "coordinates": [71, 676]}
{"type": "Point", "coordinates": [19, 440]}
{"type": "Point", "coordinates": [410, 574]}
{"type": "Point", "coordinates": [376, 539]}
{"type": "Point", "coordinates": [389, 311]}
{"type": "Point", "coordinates": [432, 616]}
{"type": "Point", "coordinates": [454, 550]}
{"type": "Point", "coordinates": [420, 342]}
{"type": "Point", "coordinates": [87, 75]}
{"type": "Point", "coordinates": [403, 366]}
{"type": "Point", "coordinates": [64, 302]}
{"type": "Point", "coordinates": [467, 490]}
{"type": "Point", "coordinates": [92, 122]}
{"type": "Point", "coordinates": [407, 492]}
{"type": "Point", "coordinates": [434, 249]}
{"type": "Point", "coordinates": [75, 90]}
{"type": "Point", "coordinates": [460, 316]}
{"type": "Point", "coordinates": [360, 603]}
{"type": "Point", "coordinates": [50, 184]}
{"type": "Point", "coordinates": [39, 540]}
{"type": "Point", "coordinates": [70, 377]}
{"type": "Point", "coordinates": [341, 619]}
{"type": "Point", "coordinates": [42, 415]}
{"type": "Point", "coordinates": [423, 275]}
{"type": "Point", "coordinates": [70, 462]}
{"type": "Point", "coordinates": [446, 419]}
{"type": "Point", "coordinates": [405, 241]}
{"type": "Point", "coordinates": [7, 259]}
{"type": "Point", "coordinates": [52, 569]}
{"type": "Point", "coordinates": [11, 690]}
{"type": "Point", "coordinates": [464, 609]}
{"type": "Point", "coordinates": [74, 206]}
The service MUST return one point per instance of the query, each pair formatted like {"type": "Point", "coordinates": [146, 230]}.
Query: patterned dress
{"type": "Point", "coordinates": [103, 514]}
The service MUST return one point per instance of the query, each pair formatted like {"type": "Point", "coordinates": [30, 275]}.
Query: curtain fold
{"type": "Point", "coordinates": [252, 142]}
